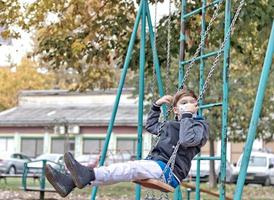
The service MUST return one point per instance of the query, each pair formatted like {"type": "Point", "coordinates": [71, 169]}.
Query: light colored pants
{"type": "Point", "coordinates": [128, 171]}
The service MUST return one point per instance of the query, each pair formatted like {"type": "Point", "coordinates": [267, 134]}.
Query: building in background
{"type": "Point", "coordinates": [55, 121]}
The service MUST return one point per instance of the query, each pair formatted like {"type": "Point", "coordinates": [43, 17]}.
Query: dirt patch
{"type": "Point", "coordinates": [22, 195]}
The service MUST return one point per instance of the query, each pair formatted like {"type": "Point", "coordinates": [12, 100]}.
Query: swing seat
{"type": "Point", "coordinates": [155, 184]}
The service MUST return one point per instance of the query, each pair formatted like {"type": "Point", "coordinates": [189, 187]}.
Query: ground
{"type": "Point", "coordinates": [124, 191]}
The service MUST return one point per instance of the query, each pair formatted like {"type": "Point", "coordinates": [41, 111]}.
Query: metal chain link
{"type": "Point", "coordinates": [217, 58]}
{"type": "Point", "coordinates": [203, 37]}
{"type": "Point", "coordinates": [168, 48]}
{"type": "Point", "coordinates": [154, 46]}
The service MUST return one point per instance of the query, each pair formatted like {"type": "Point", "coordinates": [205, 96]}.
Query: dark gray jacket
{"type": "Point", "coordinates": [191, 132]}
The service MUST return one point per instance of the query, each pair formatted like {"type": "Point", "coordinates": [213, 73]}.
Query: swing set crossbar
{"type": "Point", "coordinates": [208, 55]}
{"type": "Point", "coordinates": [207, 158]}
{"type": "Point", "coordinates": [198, 10]}
{"type": "Point", "coordinates": [206, 106]}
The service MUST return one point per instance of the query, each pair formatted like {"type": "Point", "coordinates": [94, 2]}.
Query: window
{"type": "Point", "coordinates": [6, 144]}
{"type": "Point", "coordinates": [92, 146]}
{"type": "Point", "coordinates": [127, 145]}
{"type": "Point", "coordinates": [61, 145]}
{"type": "Point", "coordinates": [257, 161]}
{"type": "Point", "coordinates": [32, 147]}
{"type": "Point", "coordinates": [271, 161]}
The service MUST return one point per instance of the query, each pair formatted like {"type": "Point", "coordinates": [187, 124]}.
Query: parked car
{"type": "Point", "coordinates": [55, 160]}
{"type": "Point", "coordinates": [89, 160]}
{"type": "Point", "coordinates": [260, 168]}
{"type": "Point", "coordinates": [204, 170]}
{"type": "Point", "coordinates": [13, 163]}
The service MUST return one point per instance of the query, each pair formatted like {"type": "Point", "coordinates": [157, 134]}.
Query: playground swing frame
{"type": "Point", "coordinates": [143, 15]}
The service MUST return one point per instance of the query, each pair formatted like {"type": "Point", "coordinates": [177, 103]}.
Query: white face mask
{"type": "Point", "coordinates": [182, 108]}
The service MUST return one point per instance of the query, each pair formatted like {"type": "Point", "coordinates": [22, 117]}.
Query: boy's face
{"type": "Point", "coordinates": [183, 101]}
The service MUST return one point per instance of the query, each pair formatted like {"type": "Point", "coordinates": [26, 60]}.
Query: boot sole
{"type": "Point", "coordinates": [53, 182]}
{"type": "Point", "coordinates": [67, 158]}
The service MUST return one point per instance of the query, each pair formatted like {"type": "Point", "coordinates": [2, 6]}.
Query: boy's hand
{"type": "Point", "coordinates": [167, 99]}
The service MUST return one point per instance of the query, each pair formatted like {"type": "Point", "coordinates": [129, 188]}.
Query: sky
{"type": "Point", "coordinates": [16, 49]}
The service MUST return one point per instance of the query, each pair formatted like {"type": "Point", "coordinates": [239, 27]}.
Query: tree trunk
{"type": "Point", "coordinates": [212, 174]}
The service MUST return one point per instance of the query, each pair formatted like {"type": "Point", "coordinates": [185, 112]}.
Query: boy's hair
{"type": "Point", "coordinates": [182, 93]}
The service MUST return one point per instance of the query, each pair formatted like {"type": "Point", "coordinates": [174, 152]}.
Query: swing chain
{"type": "Point", "coordinates": [201, 44]}
{"type": "Point", "coordinates": [150, 195]}
{"type": "Point", "coordinates": [217, 58]}
{"type": "Point", "coordinates": [171, 162]}
{"type": "Point", "coordinates": [154, 46]}
{"type": "Point", "coordinates": [168, 48]}
{"type": "Point", "coordinates": [163, 196]}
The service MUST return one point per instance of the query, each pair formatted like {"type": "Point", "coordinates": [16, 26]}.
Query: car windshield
{"type": "Point", "coordinates": [50, 157]}
{"type": "Point", "coordinates": [256, 161]}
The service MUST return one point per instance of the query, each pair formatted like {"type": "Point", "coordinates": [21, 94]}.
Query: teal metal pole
{"type": "Point", "coordinates": [205, 106]}
{"type": "Point", "coordinates": [207, 158]}
{"type": "Point", "coordinates": [43, 181]}
{"type": "Point", "coordinates": [182, 43]}
{"type": "Point", "coordinates": [202, 66]}
{"type": "Point", "coordinates": [155, 56]}
{"type": "Point", "coordinates": [178, 193]}
{"type": "Point", "coordinates": [225, 99]}
{"type": "Point", "coordinates": [211, 54]}
{"type": "Point", "coordinates": [255, 115]}
{"type": "Point", "coordinates": [188, 191]}
{"type": "Point", "coordinates": [25, 174]}
{"type": "Point", "coordinates": [119, 92]}
{"type": "Point", "coordinates": [142, 63]}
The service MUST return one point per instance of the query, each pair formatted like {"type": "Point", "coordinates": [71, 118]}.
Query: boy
{"type": "Point", "coordinates": [190, 131]}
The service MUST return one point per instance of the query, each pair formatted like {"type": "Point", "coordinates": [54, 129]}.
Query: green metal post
{"type": "Point", "coordinates": [178, 193]}
{"type": "Point", "coordinates": [24, 178]}
{"type": "Point", "coordinates": [142, 63]}
{"type": "Point", "coordinates": [255, 115]}
{"type": "Point", "coordinates": [182, 42]}
{"type": "Point", "coordinates": [155, 56]}
{"type": "Point", "coordinates": [202, 66]}
{"type": "Point", "coordinates": [208, 55]}
{"type": "Point", "coordinates": [225, 100]}
{"type": "Point", "coordinates": [119, 92]}
{"type": "Point", "coordinates": [188, 192]}
{"type": "Point", "coordinates": [43, 181]}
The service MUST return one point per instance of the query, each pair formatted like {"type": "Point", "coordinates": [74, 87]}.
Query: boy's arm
{"type": "Point", "coordinates": [193, 132]}
{"type": "Point", "coordinates": [153, 124]}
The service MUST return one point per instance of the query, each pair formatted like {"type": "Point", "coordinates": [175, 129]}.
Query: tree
{"type": "Point", "coordinates": [25, 77]}
{"type": "Point", "coordinates": [87, 33]}
{"type": "Point", "coordinates": [84, 38]}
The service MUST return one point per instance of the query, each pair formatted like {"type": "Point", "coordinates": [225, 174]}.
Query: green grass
{"type": "Point", "coordinates": [127, 191]}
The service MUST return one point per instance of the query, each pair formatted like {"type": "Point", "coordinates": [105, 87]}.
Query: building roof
{"type": "Point", "coordinates": [57, 92]}
{"type": "Point", "coordinates": [97, 115]}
